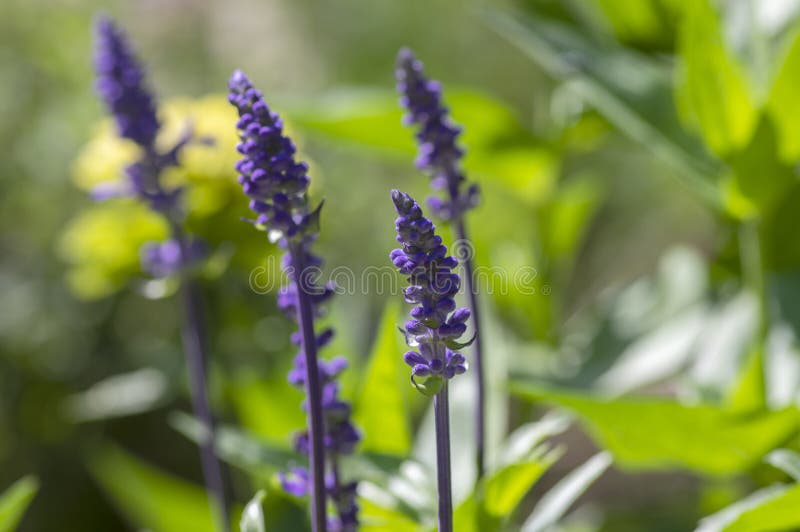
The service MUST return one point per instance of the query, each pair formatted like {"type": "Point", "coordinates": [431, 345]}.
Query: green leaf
{"type": "Point", "coordinates": [629, 90]}
{"type": "Point", "coordinates": [786, 460]}
{"type": "Point", "coordinates": [712, 90]}
{"type": "Point", "coordinates": [148, 497]}
{"type": "Point", "coordinates": [493, 501]}
{"type": "Point", "coordinates": [774, 513]}
{"type": "Point", "coordinates": [253, 515]}
{"type": "Point", "coordinates": [382, 407]}
{"type": "Point", "coordinates": [720, 520]}
{"type": "Point", "coordinates": [782, 101]}
{"type": "Point", "coordinates": [237, 447]}
{"type": "Point", "coordinates": [750, 394]}
{"type": "Point", "coordinates": [555, 503]}
{"type": "Point", "coordinates": [649, 433]}
{"type": "Point", "coordinates": [506, 488]}
{"type": "Point", "coordinates": [15, 500]}
{"type": "Point", "coordinates": [264, 406]}
{"type": "Point", "coordinates": [120, 395]}
{"type": "Point", "coordinates": [257, 456]}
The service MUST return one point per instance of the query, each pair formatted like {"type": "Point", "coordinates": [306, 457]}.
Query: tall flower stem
{"type": "Point", "coordinates": [441, 410]}
{"type": "Point", "coordinates": [305, 318]}
{"type": "Point", "coordinates": [480, 410]}
{"type": "Point", "coordinates": [195, 348]}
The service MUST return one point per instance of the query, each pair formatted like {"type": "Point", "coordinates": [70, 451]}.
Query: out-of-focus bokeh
{"type": "Point", "coordinates": [637, 162]}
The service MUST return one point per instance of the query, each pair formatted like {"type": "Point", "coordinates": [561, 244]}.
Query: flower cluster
{"type": "Point", "coordinates": [436, 324]}
{"type": "Point", "coordinates": [439, 153]}
{"type": "Point", "coordinates": [121, 85]}
{"type": "Point", "coordinates": [277, 185]}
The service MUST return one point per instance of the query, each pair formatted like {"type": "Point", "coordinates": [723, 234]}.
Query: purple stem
{"type": "Point", "coordinates": [194, 345]}
{"type": "Point", "coordinates": [480, 411]}
{"type": "Point", "coordinates": [442, 419]}
{"type": "Point", "coordinates": [305, 318]}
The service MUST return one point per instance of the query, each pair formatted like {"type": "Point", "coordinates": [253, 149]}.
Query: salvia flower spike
{"type": "Point", "coordinates": [121, 85]}
{"type": "Point", "coordinates": [434, 328]}
{"type": "Point", "coordinates": [440, 157]}
{"type": "Point", "coordinates": [277, 187]}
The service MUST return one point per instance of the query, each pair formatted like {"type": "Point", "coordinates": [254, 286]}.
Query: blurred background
{"type": "Point", "coordinates": [640, 155]}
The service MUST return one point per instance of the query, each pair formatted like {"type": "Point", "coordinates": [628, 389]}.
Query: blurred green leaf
{"type": "Point", "coordinates": [382, 407]}
{"type": "Point", "coordinates": [264, 405]}
{"type": "Point", "coordinates": [377, 518]}
{"type": "Point", "coordinates": [555, 503]}
{"type": "Point", "coordinates": [148, 497]}
{"type": "Point", "coordinates": [253, 515]}
{"type": "Point", "coordinates": [749, 393]}
{"type": "Point", "coordinates": [631, 91]}
{"type": "Point", "coordinates": [722, 519]}
{"type": "Point", "coordinates": [649, 433]}
{"type": "Point", "coordinates": [15, 500]}
{"type": "Point", "coordinates": [237, 447]}
{"type": "Point", "coordinates": [120, 395]}
{"type": "Point", "coordinates": [506, 487]}
{"type": "Point", "coordinates": [713, 94]}
{"type": "Point", "coordinates": [781, 102]}
{"type": "Point", "coordinates": [761, 177]}
{"type": "Point", "coordinates": [565, 217]}
{"type": "Point", "coordinates": [786, 460]}
{"type": "Point", "coordinates": [643, 22]}
{"type": "Point", "coordinates": [774, 513]}
{"type": "Point", "coordinates": [374, 118]}
{"type": "Point", "coordinates": [256, 456]}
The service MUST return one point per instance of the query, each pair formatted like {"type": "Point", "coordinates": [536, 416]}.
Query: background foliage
{"type": "Point", "coordinates": [640, 155]}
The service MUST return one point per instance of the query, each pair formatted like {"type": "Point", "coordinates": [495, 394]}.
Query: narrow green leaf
{"type": "Point", "coordinates": [505, 489]}
{"type": "Point", "coordinates": [712, 91]}
{"type": "Point", "coordinates": [782, 101]}
{"type": "Point", "coordinates": [720, 520]}
{"type": "Point", "coordinates": [649, 433]}
{"type": "Point", "coordinates": [253, 515]}
{"type": "Point", "coordinates": [786, 460]}
{"type": "Point", "coordinates": [749, 394]}
{"type": "Point", "coordinates": [148, 497]}
{"type": "Point", "coordinates": [237, 447]}
{"type": "Point", "coordinates": [774, 513]}
{"type": "Point", "coordinates": [562, 496]}
{"type": "Point", "coordinates": [120, 395]}
{"type": "Point", "coordinates": [382, 407]}
{"type": "Point", "coordinates": [15, 500]}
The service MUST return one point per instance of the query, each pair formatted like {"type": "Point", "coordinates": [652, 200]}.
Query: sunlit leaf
{"type": "Point", "coordinates": [720, 520]}
{"type": "Point", "coordinates": [15, 500]}
{"type": "Point", "coordinates": [506, 487]}
{"type": "Point", "coordinates": [382, 406]}
{"type": "Point", "coordinates": [119, 395]}
{"type": "Point", "coordinates": [555, 503]}
{"type": "Point", "coordinates": [781, 103]}
{"type": "Point", "coordinates": [253, 515]}
{"type": "Point", "coordinates": [649, 433]}
{"type": "Point", "coordinates": [148, 497]}
{"type": "Point", "coordinates": [786, 460]}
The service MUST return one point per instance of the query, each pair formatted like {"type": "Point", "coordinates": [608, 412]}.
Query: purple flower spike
{"type": "Point", "coordinates": [277, 186]}
{"type": "Point", "coordinates": [440, 157]}
{"type": "Point", "coordinates": [437, 137]}
{"type": "Point", "coordinates": [434, 329]}
{"type": "Point", "coordinates": [120, 83]}
{"type": "Point", "coordinates": [437, 324]}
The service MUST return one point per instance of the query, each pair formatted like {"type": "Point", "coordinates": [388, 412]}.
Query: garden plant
{"type": "Point", "coordinates": [238, 306]}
